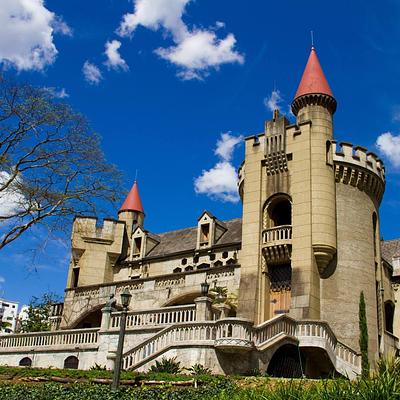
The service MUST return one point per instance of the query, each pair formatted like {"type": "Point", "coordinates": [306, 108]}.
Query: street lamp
{"type": "Point", "coordinates": [125, 300]}
{"type": "Point", "coordinates": [204, 288]}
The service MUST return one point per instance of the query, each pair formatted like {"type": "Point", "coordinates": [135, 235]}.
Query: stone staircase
{"type": "Point", "coordinates": [239, 335]}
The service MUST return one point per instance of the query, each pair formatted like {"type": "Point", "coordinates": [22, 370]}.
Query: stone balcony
{"type": "Point", "coordinates": [277, 244]}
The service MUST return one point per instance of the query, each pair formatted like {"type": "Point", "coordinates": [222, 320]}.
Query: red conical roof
{"type": "Point", "coordinates": [132, 201]}
{"type": "Point", "coordinates": [313, 80]}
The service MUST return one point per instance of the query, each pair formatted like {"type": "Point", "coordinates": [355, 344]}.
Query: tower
{"type": "Point", "coordinates": [287, 186]}
{"type": "Point", "coordinates": [132, 211]}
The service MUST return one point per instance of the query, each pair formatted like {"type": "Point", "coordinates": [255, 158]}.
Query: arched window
{"type": "Point", "coordinates": [71, 362]}
{"type": "Point", "coordinates": [25, 362]}
{"type": "Point", "coordinates": [329, 156]}
{"type": "Point", "coordinates": [277, 211]}
{"type": "Point", "coordinates": [389, 315]}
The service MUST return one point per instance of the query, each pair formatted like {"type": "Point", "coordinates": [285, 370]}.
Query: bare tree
{"type": "Point", "coordinates": [51, 163]}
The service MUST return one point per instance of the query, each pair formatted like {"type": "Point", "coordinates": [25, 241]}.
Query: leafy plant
{"type": "Point", "coordinates": [98, 367]}
{"type": "Point", "coordinates": [169, 365]}
{"type": "Point", "coordinates": [199, 369]}
{"type": "Point", "coordinates": [220, 295]}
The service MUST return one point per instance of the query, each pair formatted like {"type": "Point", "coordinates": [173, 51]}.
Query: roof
{"type": "Point", "coordinates": [390, 249]}
{"type": "Point", "coordinates": [313, 80]}
{"type": "Point", "coordinates": [186, 239]}
{"type": "Point", "coordinates": [132, 201]}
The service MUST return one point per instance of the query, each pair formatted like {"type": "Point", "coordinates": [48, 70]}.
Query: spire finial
{"type": "Point", "coordinates": [136, 174]}
{"type": "Point", "coordinates": [312, 39]}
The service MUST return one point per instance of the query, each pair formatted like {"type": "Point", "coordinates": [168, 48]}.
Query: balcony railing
{"type": "Point", "coordinates": [282, 233]}
{"type": "Point", "coordinates": [58, 339]}
{"type": "Point", "coordinates": [161, 316]}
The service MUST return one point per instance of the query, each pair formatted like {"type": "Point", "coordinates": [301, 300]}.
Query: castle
{"type": "Point", "coordinates": [286, 277]}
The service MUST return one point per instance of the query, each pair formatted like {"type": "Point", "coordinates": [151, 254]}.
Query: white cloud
{"type": "Point", "coordinates": [2, 280]}
{"type": "Point", "coordinates": [389, 146]}
{"type": "Point", "coordinates": [11, 200]}
{"type": "Point", "coordinates": [199, 51]}
{"type": "Point", "coordinates": [154, 14]}
{"type": "Point", "coordinates": [60, 26]}
{"type": "Point", "coordinates": [220, 182]}
{"type": "Point", "coordinates": [91, 73]}
{"type": "Point", "coordinates": [195, 51]}
{"type": "Point", "coordinates": [273, 101]}
{"type": "Point", "coordinates": [57, 93]}
{"type": "Point", "coordinates": [114, 59]}
{"type": "Point", "coordinates": [26, 34]}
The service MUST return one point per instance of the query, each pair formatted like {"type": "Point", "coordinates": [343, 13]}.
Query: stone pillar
{"type": "Point", "coordinates": [203, 308]}
{"type": "Point", "coordinates": [223, 310]}
{"type": "Point", "coordinates": [105, 318]}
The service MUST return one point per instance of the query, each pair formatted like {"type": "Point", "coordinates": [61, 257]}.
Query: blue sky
{"type": "Point", "coordinates": [180, 75]}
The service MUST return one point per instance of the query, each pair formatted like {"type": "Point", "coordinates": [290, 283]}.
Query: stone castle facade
{"type": "Point", "coordinates": [289, 273]}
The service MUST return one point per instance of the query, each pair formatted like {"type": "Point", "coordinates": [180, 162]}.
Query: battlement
{"type": "Point", "coordinates": [357, 167]}
{"type": "Point", "coordinates": [359, 156]}
{"type": "Point", "coordinates": [89, 230]}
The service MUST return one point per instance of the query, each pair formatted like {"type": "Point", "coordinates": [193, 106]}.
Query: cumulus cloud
{"type": "Point", "coordinates": [91, 73]}
{"type": "Point", "coordinates": [196, 51]}
{"type": "Point", "coordinates": [389, 145]}
{"type": "Point", "coordinates": [273, 101]}
{"type": "Point", "coordinates": [26, 34]}
{"type": "Point", "coordinates": [220, 182]}
{"type": "Point", "coordinates": [199, 51]}
{"type": "Point", "coordinates": [114, 59]}
{"type": "Point", "coordinates": [11, 200]}
{"type": "Point", "coordinates": [2, 280]}
{"type": "Point", "coordinates": [156, 14]}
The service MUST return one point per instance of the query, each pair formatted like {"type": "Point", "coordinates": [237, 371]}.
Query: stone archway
{"type": "Point", "coordinates": [182, 299]}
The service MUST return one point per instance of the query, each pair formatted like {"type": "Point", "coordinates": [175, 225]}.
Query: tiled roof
{"type": "Point", "coordinates": [390, 249]}
{"type": "Point", "coordinates": [186, 239]}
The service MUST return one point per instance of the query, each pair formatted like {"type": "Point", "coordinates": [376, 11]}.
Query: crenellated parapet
{"type": "Point", "coordinates": [355, 166]}
{"type": "Point", "coordinates": [89, 231]}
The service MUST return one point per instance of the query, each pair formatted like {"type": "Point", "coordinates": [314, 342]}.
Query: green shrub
{"type": "Point", "coordinates": [169, 365]}
{"type": "Point", "coordinates": [199, 369]}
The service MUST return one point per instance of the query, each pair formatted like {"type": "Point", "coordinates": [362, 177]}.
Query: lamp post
{"type": "Point", "coordinates": [125, 300]}
{"type": "Point", "coordinates": [204, 288]}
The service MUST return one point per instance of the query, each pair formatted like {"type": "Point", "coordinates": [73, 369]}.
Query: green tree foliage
{"type": "Point", "coordinates": [169, 365]}
{"type": "Point", "coordinates": [39, 311]}
{"type": "Point", "coordinates": [363, 341]}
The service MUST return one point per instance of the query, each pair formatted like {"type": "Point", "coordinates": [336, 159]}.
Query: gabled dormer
{"type": "Point", "coordinates": [209, 230]}
{"type": "Point", "coordinates": [142, 243]}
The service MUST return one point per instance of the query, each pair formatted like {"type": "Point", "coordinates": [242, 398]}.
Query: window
{"type": "Point", "coordinates": [177, 270]}
{"type": "Point", "coordinates": [329, 158]}
{"type": "Point", "coordinates": [189, 268]}
{"type": "Point", "coordinates": [389, 315]}
{"type": "Point", "coordinates": [137, 246]}
{"type": "Point", "coordinates": [75, 277]}
{"type": "Point", "coordinates": [204, 234]}
{"type": "Point", "coordinates": [184, 261]}
{"type": "Point", "coordinates": [196, 259]}
{"type": "Point", "coordinates": [212, 257]}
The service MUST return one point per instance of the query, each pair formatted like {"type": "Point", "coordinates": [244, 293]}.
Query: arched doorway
{"type": "Point", "coordinates": [91, 319]}
{"type": "Point", "coordinates": [71, 362]}
{"type": "Point", "coordinates": [389, 316]}
{"type": "Point", "coordinates": [25, 362]}
{"type": "Point", "coordinates": [287, 362]}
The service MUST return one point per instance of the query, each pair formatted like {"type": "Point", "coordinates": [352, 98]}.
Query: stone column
{"type": "Point", "coordinates": [203, 308]}
{"type": "Point", "coordinates": [105, 318]}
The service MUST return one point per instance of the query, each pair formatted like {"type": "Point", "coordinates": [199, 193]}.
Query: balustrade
{"type": "Point", "coordinates": [49, 339]}
{"type": "Point", "coordinates": [162, 316]}
{"type": "Point", "coordinates": [277, 234]}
